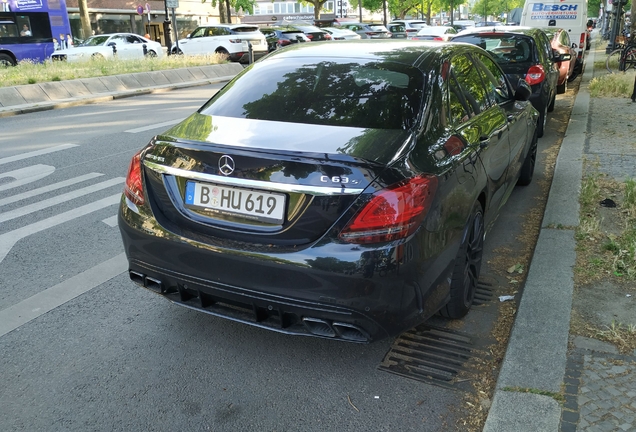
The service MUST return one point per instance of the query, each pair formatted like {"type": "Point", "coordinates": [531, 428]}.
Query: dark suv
{"type": "Point", "coordinates": [315, 34]}
{"type": "Point", "coordinates": [278, 37]}
{"type": "Point", "coordinates": [522, 52]}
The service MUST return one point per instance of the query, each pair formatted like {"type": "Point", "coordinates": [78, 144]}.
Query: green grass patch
{"type": "Point", "coordinates": [556, 396]}
{"type": "Point", "coordinates": [613, 85]}
{"type": "Point", "coordinates": [30, 73]}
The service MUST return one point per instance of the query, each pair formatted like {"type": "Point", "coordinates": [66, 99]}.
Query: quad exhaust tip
{"type": "Point", "coordinates": [145, 281]}
{"type": "Point", "coordinates": [350, 332]}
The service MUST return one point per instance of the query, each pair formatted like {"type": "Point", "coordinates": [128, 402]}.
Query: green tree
{"type": "Point", "coordinates": [225, 5]}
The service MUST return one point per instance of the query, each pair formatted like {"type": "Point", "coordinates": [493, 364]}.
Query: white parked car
{"type": "Point", "coordinates": [230, 40]}
{"type": "Point", "coordinates": [122, 46]}
{"type": "Point", "coordinates": [341, 33]}
{"type": "Point", "coordinates": [437, 33]}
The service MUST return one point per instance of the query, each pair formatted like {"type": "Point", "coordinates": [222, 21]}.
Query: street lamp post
{"type": "Point", "coordinates": [166, 29]}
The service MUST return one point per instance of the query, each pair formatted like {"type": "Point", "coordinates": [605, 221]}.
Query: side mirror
{"type": "Point", "coordinates": [565, 57]}
{"type": "Point", "coordinates": [523, 91]}
{"type": "Point", "coordinates": [112, 44]}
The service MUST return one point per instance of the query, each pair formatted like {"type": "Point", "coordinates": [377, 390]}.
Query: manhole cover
{"type": "Point", "coordinates": [433, 355]}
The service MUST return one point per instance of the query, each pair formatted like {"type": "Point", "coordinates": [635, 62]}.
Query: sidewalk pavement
{"type": "Point", "coordinates": [600, 395]}
{"type": "Point", "coordinates": [61, 94]}
{"type": "Point", "coordinates": [599, 385]}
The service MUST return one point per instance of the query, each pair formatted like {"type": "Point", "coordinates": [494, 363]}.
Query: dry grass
{"type": "Point", "coordinates": [30, 73]}
{"type": "Point", "coordinates": [613, 85]}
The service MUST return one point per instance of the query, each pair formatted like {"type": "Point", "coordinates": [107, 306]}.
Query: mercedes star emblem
{"type": "Point", "coordinates": [226, 165]}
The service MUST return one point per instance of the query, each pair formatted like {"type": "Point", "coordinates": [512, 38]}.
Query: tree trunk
{"type": "Point", "coordinates": [85, 20]}
{"type": "Point", "coordinates": [222, 14]}
{"type": "Point", "coordinates": [229, 11]}
{"type": "Point", "coordinates": [428, 13]}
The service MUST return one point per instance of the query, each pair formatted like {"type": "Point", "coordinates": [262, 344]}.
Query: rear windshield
{"type": "Point", "coordinates": [244, 29]}
{"type": "Point", "coordinates": [378, 28]}
{"type": "Point", "coordinates": [325, 91]}
{"type": "Point", "coordinates": [504, 48]}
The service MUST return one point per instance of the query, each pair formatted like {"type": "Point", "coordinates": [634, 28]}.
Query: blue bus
{"type": "Point", "coordinates": [28, 29]}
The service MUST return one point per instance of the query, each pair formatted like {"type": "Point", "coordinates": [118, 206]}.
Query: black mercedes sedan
{"type": "Point", "coordinates": [334, 190]}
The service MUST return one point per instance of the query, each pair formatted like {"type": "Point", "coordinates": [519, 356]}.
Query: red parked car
{"type": "Point", "coordinates": [560, 40]}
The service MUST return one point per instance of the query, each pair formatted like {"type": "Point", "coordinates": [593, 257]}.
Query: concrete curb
{"type": "Point", "coordinates": [63, 94]}
{"type": "Point", "coordinates": [537, 351]}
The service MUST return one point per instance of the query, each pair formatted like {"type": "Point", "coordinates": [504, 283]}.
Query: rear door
{"type": "Point", "coordinates": [484, 126]}
{"type": "Point", "coordinates": [500, 93]}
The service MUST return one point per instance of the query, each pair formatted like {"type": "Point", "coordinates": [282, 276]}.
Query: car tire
{"type": "Point", "coordinates": [97, 56]}
{"type": "Point", "coordinates": [552, 102]}
{"type": "Point", "coordinates": [151, 54]}
{"type": "Point", "coordinates": [543, 115]}
{"type": "Point", "coordinates": [527, 170]}
{"type": "Point", "coordinates": [222, 52]}
{"type": "Point", "coordinates": [6, 60]}
{"type": "Point", "coordinates": [467, 267]}
{"type": "Point", "coordinates": [562, 88]}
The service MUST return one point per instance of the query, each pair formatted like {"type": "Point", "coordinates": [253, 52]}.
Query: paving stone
{"type": "Point", "coordinates": [9, 96]}
{"type": "Point", "coordinates": [76, 88]}
{"type": "Point", "coordinates": [94, 85]}
{"type": "Point", "coordinates": [32, 93]}
{"type": "Point", "coordinates": [112, 83]}
{"type": "Point", "coordinates": [158, 77]}
{"type": "Point", "coordinates": [130, 82]}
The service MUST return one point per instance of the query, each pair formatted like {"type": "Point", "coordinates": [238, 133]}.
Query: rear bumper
{"type": "Point", "coordinates": [334, 291]}
{"type": "Point", "coordinates": [244, 57]}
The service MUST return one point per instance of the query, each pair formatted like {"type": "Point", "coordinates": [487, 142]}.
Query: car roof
{"type": "Point", "coordinates": [230, 26]}
{"type": "Point", "coordinates": [409, 52]}
{"type": "Point", "coordinates": [499, 29]}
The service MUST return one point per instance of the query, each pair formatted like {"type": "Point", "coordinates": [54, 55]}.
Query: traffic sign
{"type": "Point", "coordinates": [172, 3]}
{"type": "Point", "coordinates": [147, 7]}
{"type": "Point", "coordinates": [140, 9]}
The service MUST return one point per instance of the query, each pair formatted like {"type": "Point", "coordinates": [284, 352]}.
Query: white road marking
{"type": "Point", "coordinates": [49, 188]}
{"type": "Point", "coordinates": [111, 221]}
{"type": "Point", "coordinates": [26, 175]}
{"type": "Point", "coordinates": [154, 126]}
{"type": "Point", "coordinates": [21, 313]}
{"type": "Point", "coordinates": [9, 239]}
{"type": "Point", "coordinates": [40, 205]}
{"type": "Point", "coordinates": [36, 153]}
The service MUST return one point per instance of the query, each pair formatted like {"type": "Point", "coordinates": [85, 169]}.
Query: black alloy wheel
{"type": "Point", "coordinates": [6, 60]}
{"type": "Point", "coordinates": [151, 53]}
{"type": "Point", "coordinates": [467, 267]}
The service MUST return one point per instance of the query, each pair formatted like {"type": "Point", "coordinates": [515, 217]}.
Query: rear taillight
{"type": "Point", "coordinates": [371, 33]}
{"type": "Point", "coordinates": [327, 37]}
{"type": "Point", "coordinates": [134, 189]}
{"type": "Point", "coordinates": [310, 36]}
{"type": "Point", "coordinates": [283, 42]}
{"type": "Point", "coordinates": [438, 38]}
{"type": "Point", "coordinates": [535, 75]}
{"type": "Point", "coordinates": [582, 41]}
{"type": "Point", "coordinates": [411, 31]}
{"type": "Point", "coordinates": [235, 40]}
{"type": "Point", "coordinates": [392, 213]}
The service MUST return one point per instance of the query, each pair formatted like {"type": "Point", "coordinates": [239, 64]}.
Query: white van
{"type": "Point", "coordinates": [570, 15]}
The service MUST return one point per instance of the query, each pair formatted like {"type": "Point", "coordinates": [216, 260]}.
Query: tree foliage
{"type": "Point", "coordinates": [495, 7]}
{"type": "Point", "coordinates": [245, 5]}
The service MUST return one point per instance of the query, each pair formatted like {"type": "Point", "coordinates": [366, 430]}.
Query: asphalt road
{"type": "Point", "coordinates": [83, 348]}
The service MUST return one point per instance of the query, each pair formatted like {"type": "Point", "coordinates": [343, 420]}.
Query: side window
{"type": "Point", "coordinates": [495, 80]}
{"type": "Point", "coordinates": [119, 39]}
{"type": "Point", "coordinates": [544, 45]}
{"type": "Point", "coordinates": [198, 32]}
{"type": "Point", "coordinates": [470, 83]}
{"type": "Point", "coordinates": [457, 105]}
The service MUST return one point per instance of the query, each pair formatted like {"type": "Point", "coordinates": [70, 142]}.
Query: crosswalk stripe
{"type": "Point", "coordinates": [28, 309]}
{"type": "Point", "coordinates": [40, 205]}
{"type": "Point", "coordinates": [26, 175]}
{"type": "Point", "coordinates": [49, 188]}
{"type": "Point", "coordinates": [9, 239]}
{"type": "Point", "coordinates": [36, 153]}
{"type": "Point", "coordinates": [111, 221]}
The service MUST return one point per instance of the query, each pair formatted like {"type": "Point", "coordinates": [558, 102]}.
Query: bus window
{"type": "Point", "coordinates": [8, 28]}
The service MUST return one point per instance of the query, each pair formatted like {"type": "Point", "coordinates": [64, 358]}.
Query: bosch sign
{"type": "Point", "coordinates": [540, 7]}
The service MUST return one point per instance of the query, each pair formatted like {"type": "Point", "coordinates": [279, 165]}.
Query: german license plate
{"type": "Point", "coordinates": [233, 201]}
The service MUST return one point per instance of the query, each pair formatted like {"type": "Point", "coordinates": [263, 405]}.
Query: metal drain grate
{"type": "Point", "coordinates": [433, 355]}
{"type": "Point", "coordinates": [484, 292]}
